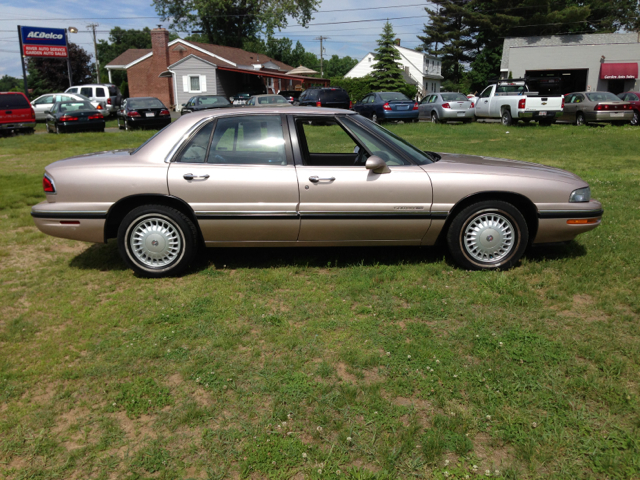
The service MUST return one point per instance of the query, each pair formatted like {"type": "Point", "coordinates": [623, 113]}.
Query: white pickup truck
{"type": "Point", "coordinates": [511, 100]}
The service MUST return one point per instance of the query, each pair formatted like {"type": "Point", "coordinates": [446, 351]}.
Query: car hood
{"type": "Point", "coordinates": [451, 162]}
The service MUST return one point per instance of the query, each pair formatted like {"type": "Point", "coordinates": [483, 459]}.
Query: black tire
{"type": "Point", "coordinates": [545, 123]}
{"type": "Point", "coordinates": [434, 117]}
{"type": "Point", "coordinates": [178, 229]}
{"type": "Point", "coordinates": [59, 129]}
{"type": "Point", "coordinates": [120, 127]}
{"type": "Point", "coordinates": [127, 126]}
{"type": "Point", "coordinates": [512, 230]}
{"type": "Point", "coordinates": [375, 119]}
{"type": "Point", "coordinates": [636, 118]}
{"type": "Point", "coordinates": [506, 119]}
{"type": "Point", "coordinates": [580, 120]}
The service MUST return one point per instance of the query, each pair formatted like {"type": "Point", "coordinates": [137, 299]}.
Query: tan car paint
{"type": "Point", "coordinates": [264, 196]}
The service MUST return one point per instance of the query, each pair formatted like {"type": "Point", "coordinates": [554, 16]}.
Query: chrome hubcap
{"type": "Point", "coordinates": [155, 242]}
{"type": "Point", "coordinates": [489, 237]}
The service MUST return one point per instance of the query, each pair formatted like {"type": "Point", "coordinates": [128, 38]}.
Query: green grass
{"type": "Point", "coordinates": [377, 363]}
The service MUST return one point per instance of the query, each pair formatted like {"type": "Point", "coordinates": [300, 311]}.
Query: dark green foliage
{"type": "Point", "coordinates": [8, 84]}
{"type": "Point", "coordinates": [357, 88]}
{"type": "Point", "coordinates": [387, 75]}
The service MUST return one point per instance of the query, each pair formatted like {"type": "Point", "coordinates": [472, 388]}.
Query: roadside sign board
{"type": "Point", "coordinates": [44, 42]}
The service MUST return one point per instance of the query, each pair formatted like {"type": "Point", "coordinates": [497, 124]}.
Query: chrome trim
{"type": "Point", "coordinates": [55, 190]}
{"type": "Point", "coordinates": [244, 213]}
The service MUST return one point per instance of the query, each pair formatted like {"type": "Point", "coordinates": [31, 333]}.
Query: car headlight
{"type": "Point", "coordinates": [580, 195]}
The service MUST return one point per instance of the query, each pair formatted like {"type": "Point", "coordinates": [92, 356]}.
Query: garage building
{"type": "Point", "coordinates": [603, 62]}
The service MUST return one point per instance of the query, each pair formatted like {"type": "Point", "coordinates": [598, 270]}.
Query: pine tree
{"type": "Point", "coordinates": [387, 74]}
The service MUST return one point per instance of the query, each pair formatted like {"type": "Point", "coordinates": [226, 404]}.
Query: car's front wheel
{"type": "Point", "coordinates": [636, 118]}
{"type": "Point", "coordinates": [434, 117]}
{"type": "Point", "coordinates": [157, 241]}
{"type": "Point", "coordinates": [488, 235]}
{"type": "Point", "coordinates": [580, 120]}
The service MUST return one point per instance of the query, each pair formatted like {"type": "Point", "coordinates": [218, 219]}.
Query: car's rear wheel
{"type": "Point", "coordinates": [59, 129]}
{"type": "Point", "coordinates": [157, 241]}
{"type": "Point", "coordinates": [488, 235]}
{"type": "Point", "coordinates": [127, 125]}
{"type": "Point", "coordinates": [120, 126]}
{"type": "Point", "coordinates": [636, 118]}
{"type": "Point", "coordinates": [580, 120]}
{"type": "Point", "coordinates": [434, 117]}
{"type": "Point", "coordinates": [374, 118]}
{"type": "Point", "coordinates": [507, 120]}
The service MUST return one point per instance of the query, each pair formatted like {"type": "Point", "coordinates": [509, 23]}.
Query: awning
{"type": "Point", "coordinates": [166, 74]}
{"type": "Point", "coordinates": [618, 71]}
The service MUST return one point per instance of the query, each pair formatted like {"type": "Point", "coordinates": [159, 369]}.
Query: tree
{"type": "Point", "coordinates": [338, 67]}
{"type": "Point", "coordinates": [49, 75]}
{"type": "Point", "coordinates": [7, 83]}
{"type": "Point", "coordinates": [387, 74]}
{"type": "Point", "coordinates": [232, 22]}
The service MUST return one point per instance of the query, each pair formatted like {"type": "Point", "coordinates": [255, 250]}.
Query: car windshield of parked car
{"type": "Point", "coordinates": [145, 103]}
{"type": "Point", "coordinates": [243, 95]}
{"type": "Point", "coordinates": [454, 97]}
{"type": "Point", "coordinates": [391, 96]}
{"type": "Point", "coordinates": [271, 99]}
{"type": "Point", "coordinates": [418, 156]}
{"type": "Point", "coordinates": [602, 97]}
{"type": "Point", "coordinates": [66, 107]}
{"type": "Point", "coordinates": [13, 100]}
{"type": "Point", "coordinates": [212, 100]}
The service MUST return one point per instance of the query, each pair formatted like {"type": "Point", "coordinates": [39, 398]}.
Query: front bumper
{"type": "Point", "coordinates": [604, 116]}
{"type": "Point", "coordinates": [554, 226]}
{"type": "Point", "coordinates": [17, 125]}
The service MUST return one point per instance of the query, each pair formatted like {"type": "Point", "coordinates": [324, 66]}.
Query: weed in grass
{"type": "Point", "coordinates": [139, 397]}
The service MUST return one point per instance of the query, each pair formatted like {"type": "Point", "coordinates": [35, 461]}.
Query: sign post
{"type": "Point", "coordinates": [42, 42]}
{"type": "Point", "coordinates": [24, 72]}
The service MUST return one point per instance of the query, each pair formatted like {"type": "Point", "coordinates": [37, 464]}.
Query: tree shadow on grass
{"type": "Point", "coordinates": [105, 257]}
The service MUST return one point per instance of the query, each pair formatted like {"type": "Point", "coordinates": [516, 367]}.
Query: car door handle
{"type": "Point", "coordinates": [191, 176]}
{"type": "Point", "coordinates": [316, 179]}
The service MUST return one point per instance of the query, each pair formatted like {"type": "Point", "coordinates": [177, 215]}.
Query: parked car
{"type": "Point", "coordinates": [74, 116]}
{"type": "Point", "coordinates": [384, 106]}
{"type": "Point", "coordinates": [331, 97]}
{"type": "Point", "coordinates": [268, 101]}
{"type": "Point", "coordinates": [305, 177]}
{"type": "Point", "coordinates": [205, 102]}
{"type": "Point", "coordinates": [143, 112]}
{"type": "Point", "coordinates": [447, 107]}
{"type": "Point", "coordinates": [45, 102]}
{"type": "Point", "coordinates": [16, 113]}
{"type": "Point", "coordinates": [511, 100]}
{"type": "Point", "coordinates": [634, 99]}
{"type": "Point", "coordinates": [582, 108]}
{"type": "Point", "coordinates": [291, 95]}
{"type": "Point", "coordinates": [107, 93]}
{"type": "Point", "coordinates": [246, 92]}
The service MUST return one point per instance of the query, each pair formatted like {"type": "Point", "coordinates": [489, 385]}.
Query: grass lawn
{"type": "Point", "coordinates": [362, 363]}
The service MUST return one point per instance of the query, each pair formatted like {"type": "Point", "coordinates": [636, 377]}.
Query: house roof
{"type": "Point", "coordinates": [129, 56]}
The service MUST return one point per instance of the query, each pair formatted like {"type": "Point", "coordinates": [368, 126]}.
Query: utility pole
{"type": "Point", "coordinates": [92, 26]}
{"type": "Point", "coordinates": [321, 38]}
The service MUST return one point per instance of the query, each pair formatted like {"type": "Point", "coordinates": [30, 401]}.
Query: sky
{"type": "Point", "coordinates": [355, 39]}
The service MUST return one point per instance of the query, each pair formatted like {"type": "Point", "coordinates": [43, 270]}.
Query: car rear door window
{"type": "Point", "coordinates": [87, 91]}
{"type": "Point", "coordinates": [13, 100]}
{"type": "Point", "coordinates": [248, 140]}
{"type": "Point", "coordinates": [44, 100]}
{"type": "Point", "coordinates": [100, 92]}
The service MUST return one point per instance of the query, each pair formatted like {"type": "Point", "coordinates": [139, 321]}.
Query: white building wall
{"type": "Point", "coordinates": [193, 66]}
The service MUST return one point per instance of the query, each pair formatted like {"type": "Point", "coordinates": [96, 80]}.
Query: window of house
{"type": "Point", "coordinates": [194, 83]}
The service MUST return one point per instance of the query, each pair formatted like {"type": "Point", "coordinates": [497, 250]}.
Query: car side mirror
{"type": "Point", "coordinates": [47, 112]}
{"type": "Point", "coordinates": [183, 104]}
{"type": "Point", "coordinates": [377, 165]}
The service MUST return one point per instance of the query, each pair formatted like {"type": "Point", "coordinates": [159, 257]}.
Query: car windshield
{"type": "Point", "coordinates": [418, 156]}
{"type": "Point", "coordinates": [243, 95]}
{"type": "Point", "coordinates": [212, 100]}
{"type": "Point", "coordinates": [390, 96]}
{"type": "Point", "coordinates": [145, 103]}
{"type": "Point", "coordinates": [454, 97]}
{"type": "Point", "coordinates": [602, 97]}
{"type": "Point", "coordinates": [75, 107]}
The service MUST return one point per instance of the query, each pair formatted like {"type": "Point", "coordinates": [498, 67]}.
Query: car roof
{"type": "Point", "coordinates": [267, 95]}
{"type": "Point", "coordinates": [226, 112]}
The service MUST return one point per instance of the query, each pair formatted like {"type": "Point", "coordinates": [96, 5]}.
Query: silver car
{"type": "Point", "coordinates": [44, 102]}
{"type": "Point", "coordinates": [582, 108]}
{"type": "Point", "coordinates": [447, 107]}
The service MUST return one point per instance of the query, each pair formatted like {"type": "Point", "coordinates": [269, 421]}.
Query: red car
{"type": "Point", "coordinates": [634, 99]}
{"type": "Point", "coordinates": [16, 113]}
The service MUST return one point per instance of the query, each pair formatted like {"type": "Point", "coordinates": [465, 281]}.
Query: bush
{"type": "Point", "coordinates": [357, 88]}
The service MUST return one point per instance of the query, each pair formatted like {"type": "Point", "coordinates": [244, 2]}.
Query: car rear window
{"type": "Point", "coordinates": [113, 91]}
{"type": "Point", "coordinates": [602, 97]}
{"type": "Point", "coordinates": [454, 97]}
{"type": "Point", "coordinates": [76, 107]}
{"type": "Point", "coordinates": [335, 96]}
{"type": "Point", "coordinates": [390, 96]}
{"type": "Point", "coordinates": [13, 100]}
{"type": "Point", "coordinates": [100, 92]}
{"type": "Point", "coordinates": [145, 103]}
{"type": "Point", "coordinates": [213, 100]}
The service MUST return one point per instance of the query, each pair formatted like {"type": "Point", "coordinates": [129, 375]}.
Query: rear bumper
{"type": "Point", "coordinates": [535, 115]}
{"type": "Point", "coordinates": [149, 122]}
{"type": "Point", "coordinates": [17, 125]}
{"type": "Point", "coordinates": [82, 126]}
{"type": "Point", "coordinates": [603, 116]}
{"type": "Point", "coordinates": [402, 115]}
{"type": "Point", "coordinates": [86, 226]}
{"type": "Point", "coordinates": [449, 114]}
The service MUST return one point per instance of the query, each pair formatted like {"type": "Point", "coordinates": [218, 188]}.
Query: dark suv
{"type": "Point", "coordinates": [332, 97]}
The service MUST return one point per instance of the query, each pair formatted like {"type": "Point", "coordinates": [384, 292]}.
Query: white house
{"type": "Point", "coordinates": [420, 69]}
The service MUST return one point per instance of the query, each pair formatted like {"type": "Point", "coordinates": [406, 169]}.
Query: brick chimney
{"type": "Point", "coordinates": [154, 86]}
{"type": "Point", "coordinates": [159, 41]}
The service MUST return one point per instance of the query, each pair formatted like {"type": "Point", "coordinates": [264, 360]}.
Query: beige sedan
{"type": "Point", "coordinates": [583, 108]}
{"type": "Point", "coordinates": [298, 176]}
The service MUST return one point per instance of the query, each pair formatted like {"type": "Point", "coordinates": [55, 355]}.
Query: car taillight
{"type": "Point", "coordinates": [108, 101]}
{"type": "Point", "coordinates": [601, 107]}
{"type": "Point", "coordinates": [562, 106]}
{"type": "Point", "coordinates": [416, 106]}
{"type": "Point", "coordinates": [47, 184]}
{"type": "Point", "coordinates": [33, 113]}
{"type": "Point", "coordinates": [522, 103]}
{"type": "Point", "coordinates": [318, 104]}
{"type": "Point", "coordinates": [473, 105]}
{"type": "Point", "coordinates": [386, 106]}
{"type": "Point", "coordinates": [97, 116]}
{"type": "Point", "coordinates": [67, 118]}
{"type": "Point", "coordinates": [99, 107]}
{"type": "Point", "coordinates": [133, 113]}
{"type": "Point", "coordinates": [350, 104]}
{"type": "Point", "coordinates": [446, 105]}
{"type": "Point", "coordinates": [164, 112]}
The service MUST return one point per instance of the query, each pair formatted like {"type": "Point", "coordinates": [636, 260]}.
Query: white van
{"type": "Point", "coordinates": [106, 93]}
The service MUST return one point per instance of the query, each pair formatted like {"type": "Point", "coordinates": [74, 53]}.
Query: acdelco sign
{"type": "Point", "coordinates": [43, 42]}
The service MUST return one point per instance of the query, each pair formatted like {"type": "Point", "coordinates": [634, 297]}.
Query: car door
{"type": "Point", "coordinates": [423, 108]}
{"type": "Point", "coordinates": [361, 106]}
{"type": "Point", "coordinates": [482, 107]}
{"type": "Point", "coordinates": [569, 110]}
{"type": "Point", "coordinates": [41, 105]}
{"type": "Point", "coordinates": [578, 104]}
{"type": "Point", "coordinates": [237, 174]}
{"type": "Point", "coordinates": [343, 202]}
